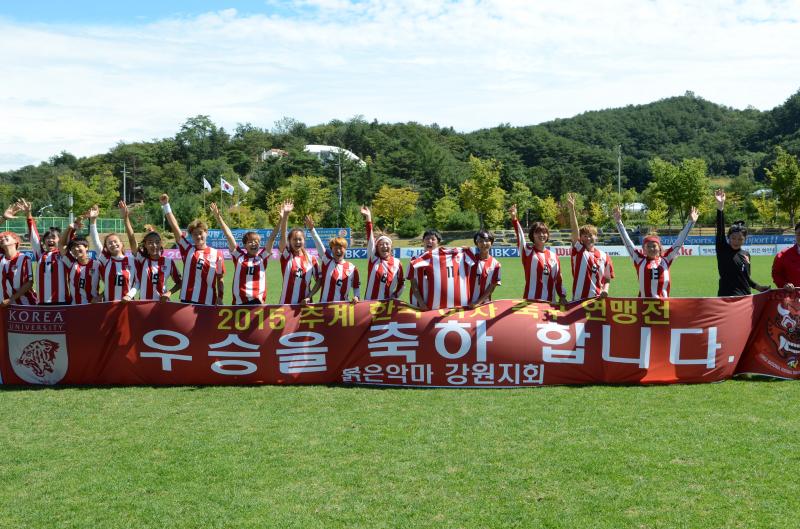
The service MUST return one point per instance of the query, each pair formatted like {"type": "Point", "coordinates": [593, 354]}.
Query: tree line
{"type": "Point", "coordinates": [673, 152]}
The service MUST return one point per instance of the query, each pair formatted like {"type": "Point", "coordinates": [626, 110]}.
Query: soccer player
{"type": "Point", "coordinates": [440, 278]}
{"type": "Point", "coordinates": [203, 267]}
{"type": "Point", "coordinates": [16, 270]}
{"type": "Point", "coordinates": [733, 261]}
{"type": "Point", "coordinates": [541, 266]}
{"type": "Point", "coordinates": [117, 269]}
{"type": "Point", "coordinates": [250, 260]}
{"type": "Point", "coordinates": [83, 272]}
{"type": "Point", "coordinates": [431, 240]}
{"type": "Point", "coordinates": [484, 272]}
{"type": "Point", "coordinates": [786, 266]}
{"type": "Point", "coordinates": [152, 268]}
{"type": "Point", "coordinates": [385, 273]}
{"type": "Point", "coordinates": [652, 263]}
{"type": "Point", "coordinates": [51, 278]}
{"type": "Point", "coordinates": [592, 268]}
{"type": "Point", "coordinates": [337, 278]}
{"type": "Point", "coordinates": [298, 268]}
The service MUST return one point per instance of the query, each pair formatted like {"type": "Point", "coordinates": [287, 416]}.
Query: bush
{"type": "Point", "coordinates": [412, 226]}
{"type": "Point", "coordinates": [462, 221]}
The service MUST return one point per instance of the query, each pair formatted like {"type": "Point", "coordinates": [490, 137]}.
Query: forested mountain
{"type": "Point", "coordinates": [575, 154]}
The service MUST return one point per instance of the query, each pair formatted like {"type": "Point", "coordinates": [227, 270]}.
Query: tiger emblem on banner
{"type": "Point", "coordinates": [40, 357]}
{"type": "Point", "coordinates": [37, 343]}
{"type": "Point", "coordinates": [784, 330]}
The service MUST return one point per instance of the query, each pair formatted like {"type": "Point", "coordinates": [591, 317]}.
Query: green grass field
{"type": "Point", "coordinates": [716, 455]}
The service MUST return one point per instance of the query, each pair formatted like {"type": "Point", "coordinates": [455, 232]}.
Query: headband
{"type": "Point", "coordinates": [652, 238]}
{"type": "Point", "coordinates": [387, 239]}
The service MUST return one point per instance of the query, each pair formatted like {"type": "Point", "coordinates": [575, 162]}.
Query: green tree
{"type": "Point", "coordinates": [481, 192]}
{"type": "Point", "coordinates": [784, 180]}
{"type": "Point", "coordinates": [522, 196]}
{"type": "Point", "coordinates": [394, 204]}
{"type": "Point", "coordinates": [311, 196]}
{"type": "Point", "coordinates": [657, 213]}
{"type": "Point", "coordinates": [766, 209]}
{"type": "Point", "coordinates": [681, 186]}
{"type": "Point", "coordinates": [100, 188]}
{"type": "Point", "coordinates": [446, 207]}
{"type": "Point", "coordinates": [546, 210]}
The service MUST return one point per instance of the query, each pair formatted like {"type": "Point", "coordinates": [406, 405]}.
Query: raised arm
{"type": "Point", "coordinates": [66, 235]}
{"type": "Point", "coordinates": [719, 241]}
{"type": "Point", "coordinates": [92, 215]}
{"type": "Point", "coordinates": [573, 218]}
{"type": "Point", "coordinates": [685, 231]}
{"type": "Point", "coordinates": [626, 239]}
{"type": "Point", "coordinates": [171, 220]}
{"type": "Point", "coordinates": [314, 235]}
{"type": "Point", "coordinates": [288, 206]}
{"type": "Point", "coordinates": [273, 234]}
{"type": "Point", "coordinates": [126, 216]}
{"type": "Point", "coordinates": [224, 227]}
{"type": "Point", "coordinates": [370, 233]}
{"type": "Point", "coordinates": [33, 231]}
{"type": "Point", "coordinates": [517, 228]}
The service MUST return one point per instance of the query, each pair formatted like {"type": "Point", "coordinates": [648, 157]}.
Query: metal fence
{"type": "Point", "coordinates": [20, 226]}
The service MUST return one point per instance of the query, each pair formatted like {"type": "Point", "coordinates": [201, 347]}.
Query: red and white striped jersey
{"type": "Point", "coordinates": [483, 273]}
{"type": "Point", "coordinates": [542, 270]}
{"type": "Point", "coordinates": [250, 275]}
{"type": "Point", "coordinates": [84, 280]}
{"type": "Point", "coordinates": [153, 275]}
{"type": "Point", "coordinates": [653, 274]}
{"type": "Point", "coordinates": [13, 274]}
{"type": "Point", "coordinates": [590, 271]}
{"type": "Point", "coordinates": [445, 274]}
{"type": "Point", "coordinates": [118, 274]}
{"type": "Point", "coordinates": [297, 272]}
{"type": "Point", "coordinates": [338, 279]}
{"type": "Point", "coordinates": [51, 277]}
{"type": "Point", "coordinates": [202, 270]}
{"type": "Point", "coordinates": [418, 275]}
{"type": "Point", "coordinates": [385, 279]}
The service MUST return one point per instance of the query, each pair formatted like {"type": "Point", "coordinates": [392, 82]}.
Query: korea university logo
{"type": "Point", "coordinates": [37, 344]}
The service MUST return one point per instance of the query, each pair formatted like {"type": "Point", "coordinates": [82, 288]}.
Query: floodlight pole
{"type": "Point", "coordinates": [619, 171]}
{"type": "Point", "coordinates": [340, 184]}
{"type": "Point", "coordinates": [124, 183]}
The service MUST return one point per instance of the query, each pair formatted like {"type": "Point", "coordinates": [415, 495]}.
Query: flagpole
{"type": "Point", "coordinates": [203, 184]}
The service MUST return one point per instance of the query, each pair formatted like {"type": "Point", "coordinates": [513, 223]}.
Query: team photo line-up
{"type": "Point", "coordinates": [440, 278]}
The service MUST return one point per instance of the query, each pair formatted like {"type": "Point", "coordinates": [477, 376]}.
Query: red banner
{"type": "Point", "coordinates": [774, 347]}
{"type": "Point", "coordinates": [507, 343]}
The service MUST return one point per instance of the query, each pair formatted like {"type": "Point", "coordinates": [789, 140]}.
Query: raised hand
{"type": "Point", "coordinates": [25, 206]}
{"type": "Point", "coordinates": [719, 196]}
{"type": "Point", "coordinates": [12, 210]}
{"type": "Point", "coordinates": [617, 212]}
{"type": "Point", "coordinates": [366, 212]}
{"type": "Point", "coordinates": [93, 212]}
{"type": "Point", "coordinates": [693, 214]}
{"type": "Point", "coordinates": [288, 206]}
{"type": "Point", "coordinates": [309, 222]}
{"type": "Point", "coordinates": [571, 200]}
{"type": "Point", "coordinates": [214, 209]}
{"type": "Point", "coordinates": [164, 199]}
{"type": "Point", "coordinates": [513, 211]}
{"type": "Point", "coordinates": [123, 209]}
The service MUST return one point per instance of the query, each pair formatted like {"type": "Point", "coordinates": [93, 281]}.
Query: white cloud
{"type": "Point", "coordinates": [468, 64]}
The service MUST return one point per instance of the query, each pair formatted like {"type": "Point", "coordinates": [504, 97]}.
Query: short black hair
{"type": "Point", "coordinates": [433, 232]}
{"type": "Point", "coordinates": [738, 227]}
{"type": "Point", "coordinates": [483, 234]}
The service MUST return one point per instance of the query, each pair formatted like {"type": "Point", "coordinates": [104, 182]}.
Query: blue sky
{"type": "Point", "coordinates": [83, 76]}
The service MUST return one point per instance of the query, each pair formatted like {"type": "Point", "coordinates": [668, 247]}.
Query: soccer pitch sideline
{"type": "Point", "coordinates": [711, 455]}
